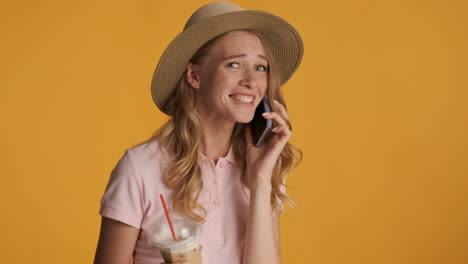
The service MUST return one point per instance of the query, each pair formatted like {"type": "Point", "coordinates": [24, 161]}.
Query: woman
{"type": "Point", "coordinates": [210, 80]}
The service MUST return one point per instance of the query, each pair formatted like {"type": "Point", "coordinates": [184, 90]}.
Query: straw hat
{"type": "Point", "coordinates": [210, 21]}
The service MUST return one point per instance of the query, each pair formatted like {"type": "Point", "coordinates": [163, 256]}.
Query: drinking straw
{"type": "Point", "coordinates": [167, 216]}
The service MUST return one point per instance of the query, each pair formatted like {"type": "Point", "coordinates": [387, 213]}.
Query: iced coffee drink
{"type": "Point", "coordinates": [186, 247]}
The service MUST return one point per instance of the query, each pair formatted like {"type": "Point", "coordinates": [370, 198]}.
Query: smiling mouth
{"type": "Point", "coordinates": [242, 98]}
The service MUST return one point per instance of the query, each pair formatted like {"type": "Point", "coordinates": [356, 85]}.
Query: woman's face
{"type": "Point", "coordinates": [231, 79]}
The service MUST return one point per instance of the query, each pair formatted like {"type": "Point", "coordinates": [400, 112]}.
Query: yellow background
{"type": "Point", "coordinates": [379, 107]}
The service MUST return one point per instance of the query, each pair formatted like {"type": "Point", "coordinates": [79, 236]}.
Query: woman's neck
{"type": "Point", "coordinates": [216, 138]}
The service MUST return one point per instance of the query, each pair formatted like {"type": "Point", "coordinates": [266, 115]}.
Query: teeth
{"type": "Point", "coordinates": [242, 98]}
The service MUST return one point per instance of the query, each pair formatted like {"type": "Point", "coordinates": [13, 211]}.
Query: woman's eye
{"type": "Point", "coordinates": [261, 68]}
{"type": "Point", "coordinates": [233, 64]}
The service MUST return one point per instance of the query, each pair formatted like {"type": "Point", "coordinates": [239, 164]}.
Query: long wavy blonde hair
{"type": "Point", "coordinates": [181, 138]}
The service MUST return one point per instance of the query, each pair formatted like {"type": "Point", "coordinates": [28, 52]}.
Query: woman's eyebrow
{"type": "Point", "coordinates": [243, 55]}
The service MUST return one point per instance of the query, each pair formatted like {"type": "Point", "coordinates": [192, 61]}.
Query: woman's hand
{"type": "Point", "coordinates": [262, 160]}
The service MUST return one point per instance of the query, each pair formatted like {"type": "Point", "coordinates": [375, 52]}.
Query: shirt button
{"type": "Point", "coordinates": [217, 182]}
{"type": "Point", "coordinates": [214, 219]}
{"type": "Point", "coordinates": [216, 202]}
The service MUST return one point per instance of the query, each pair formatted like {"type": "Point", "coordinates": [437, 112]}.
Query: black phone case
{"type": "Point", "coordinates": [260, 126]}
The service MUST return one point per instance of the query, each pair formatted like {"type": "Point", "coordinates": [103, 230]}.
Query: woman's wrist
{"type": "Point", "coordinates": [261, 185]}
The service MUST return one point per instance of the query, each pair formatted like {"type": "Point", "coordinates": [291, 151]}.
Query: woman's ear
{"type": "Point", "coordinates": [192, 75]}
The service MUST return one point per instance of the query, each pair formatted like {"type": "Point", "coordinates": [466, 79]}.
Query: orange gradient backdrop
{"type": "Point", "coordinates": [379, 107]}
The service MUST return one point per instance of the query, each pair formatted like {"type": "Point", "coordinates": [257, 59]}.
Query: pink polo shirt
{"type": "Point", "coordinates": [132, 197]}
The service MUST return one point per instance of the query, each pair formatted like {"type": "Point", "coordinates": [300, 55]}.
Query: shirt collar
{"type": "Point", "coordinates": [230, 157]}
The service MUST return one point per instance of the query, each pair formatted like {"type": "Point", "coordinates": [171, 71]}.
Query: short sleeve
{"type": "Point", "coordinates": [123, 196]}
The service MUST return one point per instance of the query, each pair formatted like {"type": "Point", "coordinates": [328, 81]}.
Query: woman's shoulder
{"type": "Point", "coordinates": [149, 146]}
{"type": "Point", "coordinates": [147, 154]}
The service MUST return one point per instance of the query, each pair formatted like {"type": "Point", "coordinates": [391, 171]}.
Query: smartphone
{"type": "Point", "coordinates": [260, 126]}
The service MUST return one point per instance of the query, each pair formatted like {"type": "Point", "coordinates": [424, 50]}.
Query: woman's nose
{"type": "Point", "coordinates": [249, 79]}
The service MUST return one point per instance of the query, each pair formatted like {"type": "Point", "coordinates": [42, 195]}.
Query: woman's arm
{"type": "Point", "coordinates": [262, 243]}
{"type": "Point", "coordinates": [276, 231]}
{"type": "Point", "coordinates": [116, 242]}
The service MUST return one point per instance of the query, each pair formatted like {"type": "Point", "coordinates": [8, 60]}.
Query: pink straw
{"type": "Point", "coordinates": [168, 217]}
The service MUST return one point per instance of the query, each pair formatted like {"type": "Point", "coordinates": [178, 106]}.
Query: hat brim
{"type": "Point", "coordinates": [282, 39]}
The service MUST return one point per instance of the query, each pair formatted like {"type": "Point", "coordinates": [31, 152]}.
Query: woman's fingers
{"type": "Point", "coordinates": [275, 116]}
{"type": "Point", "coordinates": [282, 128]}
{"type": "Point", "coordinates": [282, 110]}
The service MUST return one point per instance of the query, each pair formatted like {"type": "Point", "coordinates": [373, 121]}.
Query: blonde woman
{"type": "Point", "coordinates": [210, 80]}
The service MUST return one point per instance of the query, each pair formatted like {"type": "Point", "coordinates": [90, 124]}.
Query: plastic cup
{"type": "Point", "coordinates": [186, 248]}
